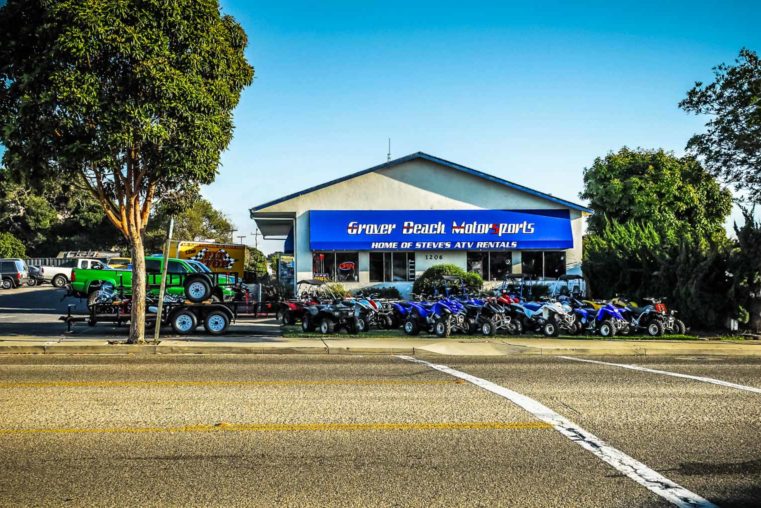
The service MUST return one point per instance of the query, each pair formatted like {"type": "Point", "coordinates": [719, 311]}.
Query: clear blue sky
{"type": "Point", "coordinates": [531, 93]}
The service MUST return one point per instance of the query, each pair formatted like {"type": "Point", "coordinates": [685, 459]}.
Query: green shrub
{"type": "Point", "coordinates": [11, 247]}
{"type": "Point", "coordinates": [432, 279]}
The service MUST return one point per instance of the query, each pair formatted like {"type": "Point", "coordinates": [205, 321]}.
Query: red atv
{"type": "Point", "coordinates": [307, 293]}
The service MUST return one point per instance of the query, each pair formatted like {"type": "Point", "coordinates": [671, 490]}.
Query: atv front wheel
{"type": "Point", "coordinates": [517, 327]}
{"type": "Point", "coordinates": [411, 327]}
{"type": "Point", "coordinates": [488, 328]}
{"type": "Point", "coordinates": [655, 329]}
{"type": "Point", "coordinates": [550, 329]}
{"type": "Point", "coordinates": [442, 328]}
{"type": "Point", "coordinates": [288, 318]}
{"type": "Point", "coordinates": [360, 325]}
{"type": "Point", "coordinates": [327, 326]}
{"type": "Point", "coordinates": [607, 329]}
{"type": "Point", "coordinates": [307, 323]}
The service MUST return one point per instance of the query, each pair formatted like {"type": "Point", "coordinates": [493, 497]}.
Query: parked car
{"type": "Point", "coordinates": [36, 276]}
{"type": "Point", "coordinates": [13, 272]}
{"type": "Point", "coordinates": [59, 276]}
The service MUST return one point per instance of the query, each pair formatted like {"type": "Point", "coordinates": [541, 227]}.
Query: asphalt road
{"type": "Point", "coordinates": [324, 430]}
{"type": "Point", "coordinates": [35, 311]}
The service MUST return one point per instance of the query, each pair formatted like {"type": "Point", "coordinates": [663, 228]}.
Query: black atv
{"type": "Point", "coordinates": [330, 318]}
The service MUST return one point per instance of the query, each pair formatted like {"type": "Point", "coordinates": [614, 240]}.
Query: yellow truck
{"type": "Point", "coordinates": [219, 257]}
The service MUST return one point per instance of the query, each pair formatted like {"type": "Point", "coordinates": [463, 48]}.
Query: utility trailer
{"type": "Point", "coordinates": [184, 315]}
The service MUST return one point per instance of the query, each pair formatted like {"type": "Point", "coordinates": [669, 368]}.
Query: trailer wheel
{"type": "Point", "coordinates": [184, 322]}
{"type": "Point", "coordinates": [216, 322]}
{"type": "Point", "coordinates": [197, 290]}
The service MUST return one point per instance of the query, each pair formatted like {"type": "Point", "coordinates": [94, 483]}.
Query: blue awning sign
{"type": "Point", "coordinates": [439, 230]}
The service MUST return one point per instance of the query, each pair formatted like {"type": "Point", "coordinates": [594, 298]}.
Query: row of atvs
{"type": "Point", "coordinates": [487, 315]}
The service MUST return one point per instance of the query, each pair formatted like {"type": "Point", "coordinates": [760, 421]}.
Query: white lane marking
{"type": "Point", "coordinates": [632, 468]}
{"type": "Point", "coordinates": [668, 373]}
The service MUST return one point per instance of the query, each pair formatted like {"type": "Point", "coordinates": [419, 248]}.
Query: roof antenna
{"type": "Point", "coordinates": [388, 155]}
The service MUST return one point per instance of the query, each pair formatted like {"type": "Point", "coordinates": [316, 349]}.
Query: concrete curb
{"type": "Point", "coordinates": [447, 347]}
{"type": "Point", "coordinates": [441, 348]}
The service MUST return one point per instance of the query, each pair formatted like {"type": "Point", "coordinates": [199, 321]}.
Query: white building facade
{"type": "Point", "coordinates": [385, 225]}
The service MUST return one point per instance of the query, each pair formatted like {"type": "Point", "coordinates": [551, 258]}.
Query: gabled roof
{"type": "Point", "coordinates": [435, 160]}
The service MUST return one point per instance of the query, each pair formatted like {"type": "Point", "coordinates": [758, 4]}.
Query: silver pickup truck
{"type": "Point", "coordinates": [59, 276]}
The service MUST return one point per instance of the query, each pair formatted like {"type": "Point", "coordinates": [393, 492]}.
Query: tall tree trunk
{"type": "Point", "coordinates": [137, 319]}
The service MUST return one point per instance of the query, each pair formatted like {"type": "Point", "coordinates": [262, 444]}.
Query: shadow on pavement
{"type": "Point", "coordinates": [34, 312]}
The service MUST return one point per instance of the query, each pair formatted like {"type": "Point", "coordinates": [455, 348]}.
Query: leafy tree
{"type": "Point", "coordinates": [132, 99]}
{"type": "Point", "coordinates": [621, 258]}
{"type": "Point", "coordinates": [274, 262]}
{"type": "Point", "coordinates": [657, 230]}
{"type": "Point", "coordinates": [256, 262]}
{"type": "Point", "coordinates": [674, 194]}
{"type": "Point", "coordinates": [198, 221]}
{"type": "Point", "coordinates": [11, 247]}
{"type": "Point", "coordinates": [48, 216]}
{"type": "Point", "coordinates": [746, 268]}
{"type": "Point", "coordinates": [731, 146]}
{"type": "Point", "coordinates": [633, 259]}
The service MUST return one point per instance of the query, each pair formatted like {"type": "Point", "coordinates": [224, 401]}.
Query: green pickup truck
{"type": "Point", "coordinates": [184, 277]}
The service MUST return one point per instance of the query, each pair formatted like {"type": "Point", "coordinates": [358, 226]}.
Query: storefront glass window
{"type": "Point", "coordinates": [387, 267]}
{"type": "Point", "coordinates": [347, 267]}
{"type": "Point", "coordinates": [491, 265]}
{"type": "Point", "coordinates": [554, 264]}
{"type": "Point", "coordinates": [376, 267]}
{"type": "Point", "coordinates": [550, 264]}
{"type": "Point", "coordinates": [478, 262]}
{"type": "Point", "coordinates": [323, 265]}
{"type": "Point", "coordinates": [400, 266]}
{"type": "Point", "coordinates": [532, 263]}
{"type": "Point", "coordinates": [500, 264]}
{"type": "Point", "coordinates": [336, 266]}
{"type": "Point", "coordinates": [392, 266]}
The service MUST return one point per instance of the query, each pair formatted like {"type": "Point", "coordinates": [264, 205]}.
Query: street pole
{"type": "Point", "coordinates": [241, 237]}
{"type": "Point", "coordinates": [256, 234]}
{"type": "Point", "coordinates": [232, 235]}
{"type": "Point", "coordinates": [162, 288]}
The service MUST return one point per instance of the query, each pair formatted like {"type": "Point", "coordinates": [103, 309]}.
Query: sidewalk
{"type": "Point", "coordinates": [454, 346]}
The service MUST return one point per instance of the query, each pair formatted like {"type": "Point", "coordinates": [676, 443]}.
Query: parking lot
{"type": "Point", "coordinates": [35, 311]}
{"type": "Point", "coordinates": [354, 430]}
